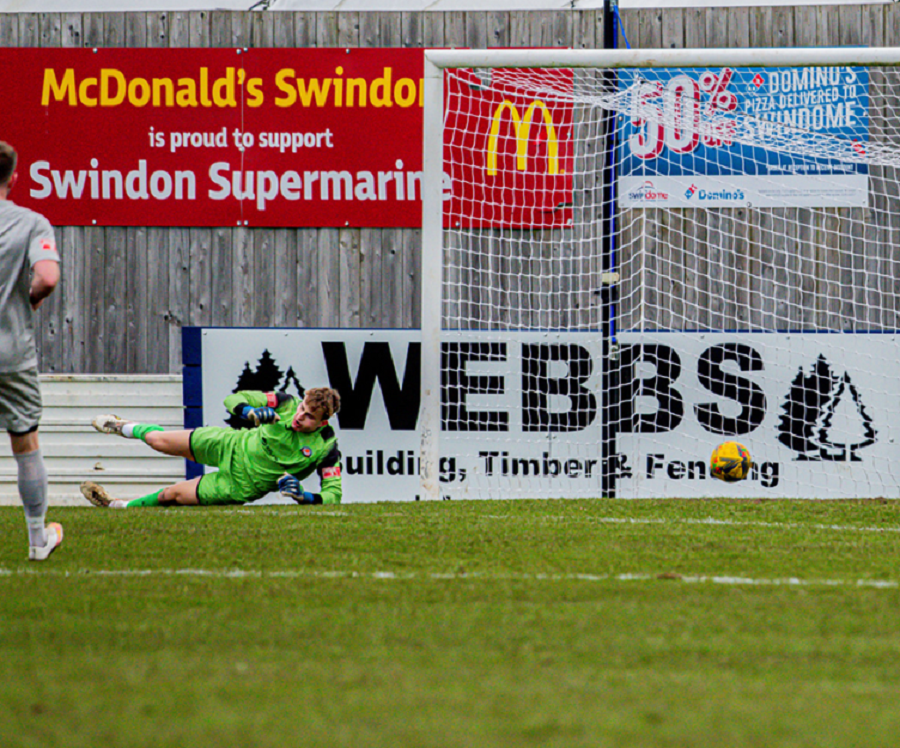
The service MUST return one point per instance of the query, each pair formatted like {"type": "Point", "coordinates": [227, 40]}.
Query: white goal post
{"type": "Point", "coordinates": [631, 256]}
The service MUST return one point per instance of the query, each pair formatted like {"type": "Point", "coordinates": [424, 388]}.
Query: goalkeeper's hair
{"type": "Point", "coordinates": [8, 160]}
{"type": "Point", "coordinates": [323, 400]}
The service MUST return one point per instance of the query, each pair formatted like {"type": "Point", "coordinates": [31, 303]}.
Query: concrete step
{"type": "Point", "coordinates": [73, 451]}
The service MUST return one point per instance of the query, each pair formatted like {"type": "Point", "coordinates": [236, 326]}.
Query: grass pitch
{"type": "Point", "coordinates": [520, 623]}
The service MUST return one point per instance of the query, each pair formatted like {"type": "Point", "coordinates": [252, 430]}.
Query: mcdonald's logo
{"type": "Point", "coordinates": [523, 131]}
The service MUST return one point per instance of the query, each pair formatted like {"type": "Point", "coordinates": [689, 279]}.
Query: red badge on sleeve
{"type": "Point", "coordinates": [332, 472]}
{"type": "Point", "coordinates": [48, 245]}
{"type": "Point", "coordinates": [271, 399]}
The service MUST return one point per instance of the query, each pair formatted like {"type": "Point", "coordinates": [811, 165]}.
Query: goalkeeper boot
{"type": "Point", "coordinates": [98, 496]}
{"type": "Point", "coordinates": [54, 536]}
{"type": "Point", "coordinates": [109, 424]}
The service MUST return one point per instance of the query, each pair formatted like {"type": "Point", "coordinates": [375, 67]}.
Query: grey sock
{"type": "Point", "coordinates": [33, 487]}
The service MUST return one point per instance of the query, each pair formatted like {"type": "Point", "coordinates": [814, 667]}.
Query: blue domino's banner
{"type": "Point", "coordinates": [755, 137]}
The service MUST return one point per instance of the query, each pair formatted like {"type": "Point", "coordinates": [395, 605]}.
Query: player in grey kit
{"type": "Point", "coordinates": [29, 271]}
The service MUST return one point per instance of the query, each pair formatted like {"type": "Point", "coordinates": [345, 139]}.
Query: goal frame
{"type": "Point", "coordinates": [438, 60]}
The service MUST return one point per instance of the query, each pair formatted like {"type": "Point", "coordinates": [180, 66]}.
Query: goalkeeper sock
{"type": "Point", "coordinates": [151, 499]}
{"type": "Point", "coordinates": [140, 430]}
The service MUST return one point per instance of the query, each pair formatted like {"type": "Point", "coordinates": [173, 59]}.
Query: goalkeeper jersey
{"type": "Point", "coordinates": [269, 451]}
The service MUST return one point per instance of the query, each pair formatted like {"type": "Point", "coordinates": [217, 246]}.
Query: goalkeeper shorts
{"type": "Point", "coordinates": [230, 484]}
{"type": "Point", "coordinates": [220, 487]}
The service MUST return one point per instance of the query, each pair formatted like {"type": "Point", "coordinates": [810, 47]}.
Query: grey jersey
{"type": "Point", "coordinates": [25, 238]}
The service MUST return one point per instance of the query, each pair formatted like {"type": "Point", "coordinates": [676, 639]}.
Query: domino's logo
{"type": "Point", "coordinates": [689, 192]}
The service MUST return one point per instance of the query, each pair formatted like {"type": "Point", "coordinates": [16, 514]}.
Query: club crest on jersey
{"type": "Point", "coordinates": [306, 451]}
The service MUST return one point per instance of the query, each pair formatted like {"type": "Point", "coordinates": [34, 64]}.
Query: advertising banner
{"type": "Point", "coordinates": [510, 151]}
{"type": "Point", "coordinates": [269, 137]}
{"type": "Point", "coordinates": [819, 412]}
{"type": "Point", "coordinates": [217, 137]}
{"type": "Point", "coordinates": [522, 411]}
{"type": "Point", "coordinates": [754, 137]}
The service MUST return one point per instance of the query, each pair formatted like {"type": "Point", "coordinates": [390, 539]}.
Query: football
{"type": "Point", "coordinates": [730, 462]}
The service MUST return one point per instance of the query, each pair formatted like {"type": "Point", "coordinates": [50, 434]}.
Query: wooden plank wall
{"type": "Point", "coordinates": [127, 291]}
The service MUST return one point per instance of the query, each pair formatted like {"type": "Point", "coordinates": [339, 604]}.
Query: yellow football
{"type": "Point", "coordinates": [730, 462]}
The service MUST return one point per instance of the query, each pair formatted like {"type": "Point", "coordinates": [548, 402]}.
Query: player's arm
{"type": "Point", "coordinates": [329, 471]}
{"type": "Point", "coordinates": [44, 259]}
{"type": "Point", "coordinates": [331, 491]}
{"type": "Point", "coordinates": [44, 278]}
{"type": "Point", "coordinates": [257, 407]}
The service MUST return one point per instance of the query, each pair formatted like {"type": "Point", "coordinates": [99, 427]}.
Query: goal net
{"type": "Point", "coordinates": [630, 262]}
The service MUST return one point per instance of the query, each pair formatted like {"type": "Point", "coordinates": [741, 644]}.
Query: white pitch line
{"type": "Point", "coordinates": [313, 513]}
{"type": "Point", "coordinates": [465, 576]}
{"type": "Point", "coordinates": [268, 510]}
{"type": "Point", "coordinates": [704, 521]}
{"type": "Point", "coordinates": [567, 518]}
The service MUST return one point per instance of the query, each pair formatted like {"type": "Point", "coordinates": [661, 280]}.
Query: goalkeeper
{"type": "Point", "coordinates": [288, 440]}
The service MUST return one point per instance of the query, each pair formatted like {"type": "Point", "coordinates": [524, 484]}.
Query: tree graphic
{"type": "Point", "coordinates": [268, 375]}
{"type": "Point", "coordinates": [802, 408]}
{"type": "Point", "coordinates": [245, 382]}
{"type": "Point", "coordinates": [291, 379]}
{"type": "Point", "coordinates": [845, 426]}
{"type": "Point", "coordinates": [246, 379]}
{"type": "Point", "coordinates": [266, 378]}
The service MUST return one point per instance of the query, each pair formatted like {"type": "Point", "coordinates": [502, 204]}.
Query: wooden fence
{"type": "Point", "coordinates": [127, 291]}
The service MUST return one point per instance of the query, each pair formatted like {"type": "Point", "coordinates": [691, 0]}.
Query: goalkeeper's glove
{"type": "Point", "coordinates": [290, 487]}
{"type": "Point", "coordinates": [256, 416]}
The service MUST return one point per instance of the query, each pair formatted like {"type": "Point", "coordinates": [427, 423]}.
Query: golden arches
{"type": "Point", "coordinates": [523, 131]}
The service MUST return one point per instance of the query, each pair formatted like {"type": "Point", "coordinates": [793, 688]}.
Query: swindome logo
{"type": "Point", "coordinates": [647, 193]}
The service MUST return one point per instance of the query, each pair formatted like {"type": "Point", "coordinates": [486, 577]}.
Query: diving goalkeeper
{"type": "Point", "coordinates": [288, 440]}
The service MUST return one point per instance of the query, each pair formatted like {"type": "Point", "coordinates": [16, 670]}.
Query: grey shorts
{"type": "Point", "coordinates": [20, 401]}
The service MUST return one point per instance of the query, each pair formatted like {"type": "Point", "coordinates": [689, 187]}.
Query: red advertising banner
{"type": "Point", "coordinates": [267, 137]}
{"type": "Point", "coordinates": [217, 137]}
{"type": "Point", "coordinates": [508, 146]}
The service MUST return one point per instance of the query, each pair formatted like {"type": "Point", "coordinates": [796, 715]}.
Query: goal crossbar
{"type": "Point", "coordinates": [660, 58]}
